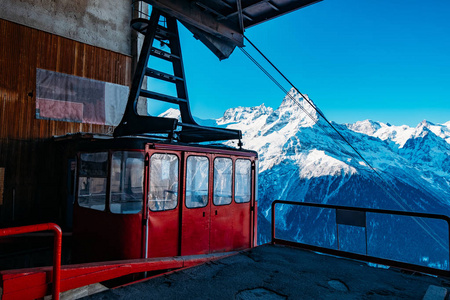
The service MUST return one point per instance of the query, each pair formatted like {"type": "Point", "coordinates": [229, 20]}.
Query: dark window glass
{"type": "Point", "coordinates": [92, 180]}
{"type": "Point", "coordinates": [127, 173]}
{"type": "Point", "coordinates": [163, 189]}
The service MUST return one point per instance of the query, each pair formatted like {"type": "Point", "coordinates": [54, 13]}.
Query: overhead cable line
{"type": "Point", "coordinates": [438, 239]}
{"type": "Point", "coordinates": [276, 82]}
{"type": "Point", "coordinates": [312, 105]}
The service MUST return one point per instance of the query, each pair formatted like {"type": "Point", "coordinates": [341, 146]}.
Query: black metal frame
{"type": "Point", "coordinates": [357, 222]}
{"type": "Point", "coordinates": [134, 124]}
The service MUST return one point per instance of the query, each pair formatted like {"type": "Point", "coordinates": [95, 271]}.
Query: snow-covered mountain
{"type": "Point", "coordinates": [302, 159]}
{"type": "Point", "coordinates": [289, 138]}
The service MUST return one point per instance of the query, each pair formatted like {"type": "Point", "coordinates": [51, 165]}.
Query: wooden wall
{"type": "Point", "coordinates": [26, 152]}
{"type": "Point", "coordinates": [22, 50]}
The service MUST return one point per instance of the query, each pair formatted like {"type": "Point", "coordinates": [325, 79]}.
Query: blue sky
{"type": "Point", "coordinates": [385, 60]}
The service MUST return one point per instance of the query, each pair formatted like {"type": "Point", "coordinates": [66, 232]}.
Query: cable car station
{"type": "Point", "coordinates": [138, 195]}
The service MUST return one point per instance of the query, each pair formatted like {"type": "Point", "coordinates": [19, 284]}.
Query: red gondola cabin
{"type": "Point", "coordinates": [141, 199]}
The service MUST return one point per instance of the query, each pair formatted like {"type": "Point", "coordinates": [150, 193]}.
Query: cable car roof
{"type": "Point", "coordinates": [220, 24]}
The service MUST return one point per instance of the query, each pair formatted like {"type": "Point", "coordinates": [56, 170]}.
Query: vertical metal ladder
{"type": "Point", "coordinates": [166, 32]}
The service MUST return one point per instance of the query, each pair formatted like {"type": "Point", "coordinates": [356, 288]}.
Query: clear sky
{"type": "Point", "coordinates": [384, 60]}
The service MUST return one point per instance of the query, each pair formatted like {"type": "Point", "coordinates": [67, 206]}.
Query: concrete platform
{"type": "Point", "coordinates": [279, 272]}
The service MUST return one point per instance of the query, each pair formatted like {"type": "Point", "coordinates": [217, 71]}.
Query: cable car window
{"type": "Point", "coordinates": [127, 173]}
{"type": "Point", "coordinates": [92, 180]}
{"type": "Point", "coordinates": [256, 180]}
{"type": "Point", "coordinates": [163, 189]}
{"type": "Point", "coordinates": [242, 180]}
{"type": "Point", "coordinates": [222, 180]}
{"type": "Point", "coordinates": [197, 178]}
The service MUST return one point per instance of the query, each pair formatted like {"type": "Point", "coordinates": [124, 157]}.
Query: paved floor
{"type": "Point", "coordinates": [278, 272]}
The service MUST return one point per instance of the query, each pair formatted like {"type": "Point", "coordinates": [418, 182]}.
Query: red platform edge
{"type": "Point", "coordinates": [36, 283]}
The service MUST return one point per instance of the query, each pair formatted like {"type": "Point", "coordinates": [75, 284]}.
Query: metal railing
{"type": "Point", "coordinates": [56, 248]}
{"type": "Point", "coordinates": [356, 216]}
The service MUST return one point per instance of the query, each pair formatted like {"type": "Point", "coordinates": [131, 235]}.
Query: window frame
{"type": "Point", "coordinates": [208, 182]}
{"type": "Point", "coordinates": [149, 180]}
{"type": "Point", "coordinates": [250, 180]}
{"type": "Point", "coordinates": [214, 178]}
{"type": "Point", "coordinates": [107, 188]}
{"type": "Point", "coordinates": [111, 154]}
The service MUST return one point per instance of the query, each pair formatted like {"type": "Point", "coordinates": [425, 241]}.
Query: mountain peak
{"type": "Point", "coordinates": [426, 123]}
{"type": "Point", "coordinates": [171, 113]}
{"type": "Point", "coordinates": [244, 113]}
{"type": "Point", "coordinates": [440, 130]}
{"type": "Point", "coordinates": [298, 107]}
{"type": "Point", "coordinates": [368, 127]}
{"type": "Point", "coordinates": [293, 97]}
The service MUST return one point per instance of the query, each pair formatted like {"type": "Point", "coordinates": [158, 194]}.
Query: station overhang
{"type": "Point", "coordinates": [220, 24]}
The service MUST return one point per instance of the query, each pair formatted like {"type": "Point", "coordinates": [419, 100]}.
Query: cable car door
{"type": "Point", "coordinates": [163, 190]}
{"type": "Point", "coordinates": [242, 203]}
{"type": "Point", "coordinates": [222, 208]}
{"type": "Point", "coordinates": [196, 211]}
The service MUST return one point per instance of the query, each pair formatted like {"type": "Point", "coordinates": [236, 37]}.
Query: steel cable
{"type": "Point", "coordinates": [428, 230]}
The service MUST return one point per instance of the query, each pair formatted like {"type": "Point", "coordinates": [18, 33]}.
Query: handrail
{"type": "Point", "coordinates": [56, 248]}
{"type": "Point", "coordinates": [368, 258]}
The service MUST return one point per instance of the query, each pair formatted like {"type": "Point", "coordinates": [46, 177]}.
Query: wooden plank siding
{"type": "Point", "coordinates": [22, 51]}
{"type": "Point", "coordinates": [33, 183]}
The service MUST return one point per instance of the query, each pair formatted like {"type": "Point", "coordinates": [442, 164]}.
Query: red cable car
{"type": "Point", "coordinates": [154, 190]}
{"type": "Point", "coordinates": [140, 199]}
